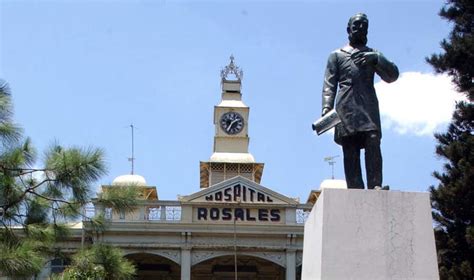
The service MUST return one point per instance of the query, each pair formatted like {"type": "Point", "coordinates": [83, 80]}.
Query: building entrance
{"type": "Point", "coordinates": [155, 267]}
{"type": "Point", "coordinates": [248, 268]}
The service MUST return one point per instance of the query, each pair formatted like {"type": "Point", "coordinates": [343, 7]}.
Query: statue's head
{"type": "Point", "coordinates": [357, 28]}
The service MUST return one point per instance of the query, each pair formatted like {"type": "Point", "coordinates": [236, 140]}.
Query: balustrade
{"type": "Point", "coordinates": [163, 211]}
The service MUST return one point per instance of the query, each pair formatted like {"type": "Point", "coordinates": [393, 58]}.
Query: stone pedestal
{"type": "Point", "coordinates": [368, 234]}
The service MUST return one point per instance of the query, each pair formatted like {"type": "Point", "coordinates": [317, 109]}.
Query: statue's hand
{"type": "Point", "coordinates": [325, 111]}
{"type": "Point", "coordinates": [366, 58]}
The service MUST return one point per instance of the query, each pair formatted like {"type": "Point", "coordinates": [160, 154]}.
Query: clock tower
{"type": "Point", "coordinates": [230, 157]}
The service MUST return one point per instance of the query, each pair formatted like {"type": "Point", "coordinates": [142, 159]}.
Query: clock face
{"type": "Point", "coordinates": [232, 122]}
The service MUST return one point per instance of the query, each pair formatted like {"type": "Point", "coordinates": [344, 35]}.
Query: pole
{"type": "Point", "coordinates": [132, 159]}
{"type": "Point", "coordinates": [330, 160]}
{"type": "Point", "coordinates": [235, 248]}
{"type": "Point", "coordinates": [332, 166]}
{"type": "Point", "coordinates": [235, 241]}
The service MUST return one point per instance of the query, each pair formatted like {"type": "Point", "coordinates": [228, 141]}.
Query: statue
{"type": "Point", "coordinates": [352, 68]}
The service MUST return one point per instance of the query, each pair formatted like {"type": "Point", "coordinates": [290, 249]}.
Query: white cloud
{"type": "Point", "coordinates": [417, 103]}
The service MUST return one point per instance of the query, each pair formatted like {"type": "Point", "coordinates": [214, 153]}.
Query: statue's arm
{"type": "Point", "coordinates": [331, 78]}
{"type": "Point", "coordinates": [386, 69]}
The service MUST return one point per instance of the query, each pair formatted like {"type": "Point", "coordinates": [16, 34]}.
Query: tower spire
{"type": "Point", "coordinates": [232, 69]}
{"type": "Point", "coordinates": [231, 156]}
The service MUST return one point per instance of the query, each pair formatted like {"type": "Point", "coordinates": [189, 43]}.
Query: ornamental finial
{"type": "Point", "coordinates": [232, 69]}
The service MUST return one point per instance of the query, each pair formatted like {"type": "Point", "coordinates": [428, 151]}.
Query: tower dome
{"type": "Point", "coordinates": [129, 180]}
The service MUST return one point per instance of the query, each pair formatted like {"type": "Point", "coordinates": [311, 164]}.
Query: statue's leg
{"type": "Point", "coordinates": [352, 164]}
{"type": "Point", "coordinates": [373, 160]}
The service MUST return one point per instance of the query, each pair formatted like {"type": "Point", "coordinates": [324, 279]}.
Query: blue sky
{"type": "Point", "coordinates": [82, 71]}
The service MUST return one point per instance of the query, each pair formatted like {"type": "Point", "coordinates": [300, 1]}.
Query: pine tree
{"type": "Point", "coordinates": [458, 57]}
{"type": "Point", "coordinates": [37, 205]}
{"type": "Point", "coordinates": [99, 262]}
{"type": "Point", "coordinates": [453, 199]}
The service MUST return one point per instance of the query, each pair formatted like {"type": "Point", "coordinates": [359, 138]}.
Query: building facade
{"type": "Point", "coordinates": [231, 228]}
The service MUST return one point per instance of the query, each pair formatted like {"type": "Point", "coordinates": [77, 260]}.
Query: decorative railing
{"type": "Point", "coordinates": [168, 211]}
{"type": "Point", "coordinates": [302, 215]}
{"type": "Point", "coordinates": [88, 212]}
{"type": "Point", "coordinates": [165, 211]}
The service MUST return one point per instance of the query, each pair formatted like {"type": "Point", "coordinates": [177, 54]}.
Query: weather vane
{"type": "Point", "coordinates": [330, 160]}
{"type": "Point", "coordinates": [132, 159]}
{"type": "Point", "coordinates": [232, 69]}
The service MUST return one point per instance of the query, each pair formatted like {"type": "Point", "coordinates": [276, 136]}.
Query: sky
{"type": "Point", "coordinates": [81, 72]}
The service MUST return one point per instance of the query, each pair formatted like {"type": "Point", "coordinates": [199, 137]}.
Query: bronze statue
{"type": "Point", "coordinates": [352, 68]}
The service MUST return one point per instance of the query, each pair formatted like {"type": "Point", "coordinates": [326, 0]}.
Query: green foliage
{"type": "Point", "coordinates": [458, 57]}
{"type": "Point", "coordinates": [9, 132]}
{"type": "Point", "coordinates": [37, 212]}
{"type": "Point", "coordinates": [37, 205]}
{"type": "Point", "coordinates": [453, 199]}
{"type": "Point", "coordinates": [98, 223]}
{"type": "Point", "coordinates": [120, 197]}
{"type": "Point", "coordinates": [101, 261]}
{"type": "Point", "coordinates": [21, 258]}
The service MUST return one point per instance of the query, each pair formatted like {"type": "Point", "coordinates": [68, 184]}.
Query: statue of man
{"type": "Point", "coordinates": [352, 68]}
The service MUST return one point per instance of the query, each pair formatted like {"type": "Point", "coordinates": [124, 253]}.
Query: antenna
{"type": "Point", "coordinates": [132, 159]}
{"type": "Point", "coordinates": [330, 160]}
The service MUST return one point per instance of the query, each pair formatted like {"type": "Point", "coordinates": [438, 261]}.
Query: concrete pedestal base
{"type": "Point", "coordinates": [368, 234]}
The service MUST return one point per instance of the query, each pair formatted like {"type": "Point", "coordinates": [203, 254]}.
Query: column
{"type": "Point", "coordinates": [143, 213]}
{"type": "Point", "coordinates": [290, 264]}
{"type": "Point", "coordinates": [163, 213]}
{"type": "Point", "coordinates": [290, 216]}
{"type": "Point", "coordinates": [185, 264]}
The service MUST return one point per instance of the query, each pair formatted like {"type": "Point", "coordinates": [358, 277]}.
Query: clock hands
{"type": "Point", "coordinates": [232, 123]}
